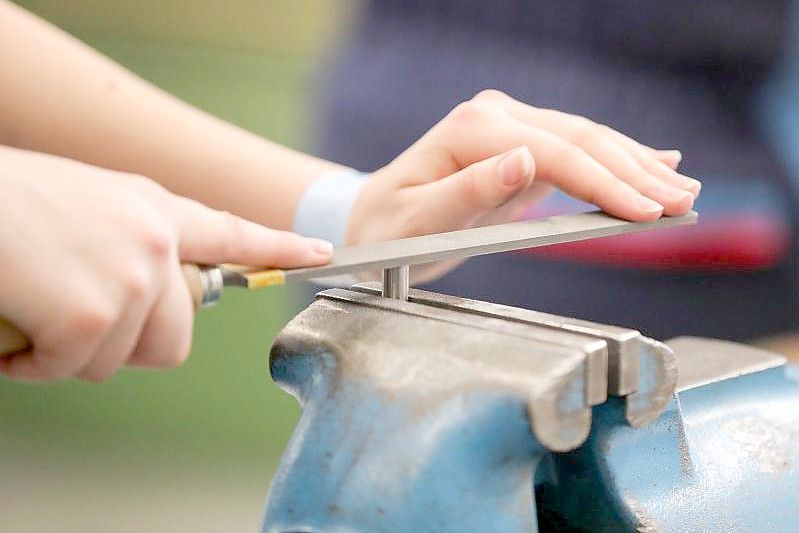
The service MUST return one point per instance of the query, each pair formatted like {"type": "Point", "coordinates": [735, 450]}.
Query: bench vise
{"type": "Point", "coordinates": [429, 413]}
{"type": "Point", "coordinates": [441, 414]}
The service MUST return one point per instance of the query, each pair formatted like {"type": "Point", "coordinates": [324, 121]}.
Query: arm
{"type": "Point", "coordinates": [118, 237]}
{"type": "Point", "coordinates": [91, 265]}
{"type": "Point", "coordinates": [61, 97]}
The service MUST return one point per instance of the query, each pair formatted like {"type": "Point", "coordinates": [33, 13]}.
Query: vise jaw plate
{"type": "Point", "coordinates": [408, 350]}
{"type": "Point", "coordinates": [632, 366]}
{"type": "Point", "coordinates": [594, 351]}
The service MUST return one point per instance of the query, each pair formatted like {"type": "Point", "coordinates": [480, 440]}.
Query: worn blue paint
{"type": "Point", "coordinates": [723, 457]}
{"type": "Point", "coordinates": [359, 461]}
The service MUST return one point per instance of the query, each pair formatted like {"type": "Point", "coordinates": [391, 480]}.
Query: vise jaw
{"type": "Point", "coordinates": [432, 414]}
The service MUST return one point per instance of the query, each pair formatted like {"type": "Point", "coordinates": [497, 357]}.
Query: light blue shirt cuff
{"type": "Point", "coordinates": [325, 207]}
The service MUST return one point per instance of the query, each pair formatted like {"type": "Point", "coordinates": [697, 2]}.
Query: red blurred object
{"type": "Point", "coordinates": [723, 244]}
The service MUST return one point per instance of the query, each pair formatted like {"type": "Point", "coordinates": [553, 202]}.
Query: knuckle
{"type": "Point", "coordinates": [235, 230]}
{"type": "Point", "coordinates": [468, 113]}
{"type": "Point", "coordinates": [467, 186]}
{"type": "Point", "coordinates": [152, 194]}
{"type": "Point", "coordinates": [157, 240]}
{"type": "Point", "coordinates": [615, 135]}
{"type": "Point", "coordinates": [565, 154]}
{"type": "Point", "coordinates": [231, 230]}
{"type": "Point", "coordinates": [159, 245]}
{"type": "Point", "coordinates": [490, 95]}
{"type": "Point", "coordinates": [91, 320]}
{"type": "Point", "coordinates": [594, 195]}
{"type": "Point", "coordinates": [586, 132]}
{"type": "Point", "coordinates": [145, 185]}
{"type": "Point", "coordinates": [136, 285]}
{"type": "Point", "coordinates": [606, 130]}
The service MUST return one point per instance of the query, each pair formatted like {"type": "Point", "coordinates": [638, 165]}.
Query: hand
{"type": "Point", "coordinates": [91, 265]}
{"type": "Point", "coordinates": [493, 156]}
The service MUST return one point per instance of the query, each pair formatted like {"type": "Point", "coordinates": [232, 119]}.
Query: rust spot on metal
{"type": "Point", "coordinates": [769, 443]}
{"type": "Point", "coordinates": [686, 464]}
{"type": "Point", "coordinates": [333, 509]}
{"type": "Point", "coordinates": [643, 522]}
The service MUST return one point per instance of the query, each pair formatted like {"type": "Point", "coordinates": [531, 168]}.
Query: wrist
{"type": "Point", "coordinates": [325, 207]}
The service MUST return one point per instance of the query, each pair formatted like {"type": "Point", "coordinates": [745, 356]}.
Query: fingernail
{"type": "Point", "coordinates": [675, 193]}
{"type": "Point", "coordinates": [515, 166]}
{"type": "Point", "coordinates": [680, 195]}
{"type": "Point", "coordinates": [649, 205]}
{"type": "Point", "coordinates": [321, 247]}
{"type": "Point", "coordinates": [673, 154]}
{"type": "Point", "coordinates": [695, 186]}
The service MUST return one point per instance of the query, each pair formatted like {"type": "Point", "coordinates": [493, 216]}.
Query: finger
{"type": "Point", "coordinates": [670, 158]}
{"type": "Point", "coordinates": [624, 166]}
{"type": "Point", "coordinates": [165, 339]}
{"type": "Point", "coordinates": [119, 344]}
{"type": "Point", "coordinates": [658, 166]}
{"type": "Point", "coordinates": [635, 163]}
{"type": "Point", "coordinates": [23, 366]}
{"type": "Point", "coordinates": [210, 236]}
{"type": "Point", "coordinates": [669, 175]}
{"type": "Point", "coordinates": [558, 161]}
{"type": "Point", "coordinates": [661, 163]}
{"type": "Point", "coordinates": [563, 162]}
{"type": "Point", "coordinates": [480, 187]}
{"type": "Point", "coordinates": [66, 347]}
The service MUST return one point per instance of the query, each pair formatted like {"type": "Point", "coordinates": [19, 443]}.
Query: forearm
{"type": "Point", "coordinates": [61, 97]}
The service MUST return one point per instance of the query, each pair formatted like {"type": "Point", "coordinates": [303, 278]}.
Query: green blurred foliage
{"type": "Point", "coordinates": [219, 408]}
{"type": "Point", "coordinates": [250, 62]}
{"type": "Point", "coordinates": [300, 27]}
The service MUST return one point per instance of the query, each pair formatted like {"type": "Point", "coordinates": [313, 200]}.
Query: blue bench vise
{"type": "Point", "coordinates": [442, 414]}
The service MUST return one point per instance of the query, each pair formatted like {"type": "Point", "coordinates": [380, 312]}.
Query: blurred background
{"type": "Point", "coordinates": [357, 81]}
{"type": "Point", "coordinates": [191, 449]}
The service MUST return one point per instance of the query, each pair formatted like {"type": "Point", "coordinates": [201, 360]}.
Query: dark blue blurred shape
{"type": "Point", "coordinates": [672, 74]}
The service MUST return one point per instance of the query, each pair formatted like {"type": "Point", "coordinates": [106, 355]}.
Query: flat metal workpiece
{"type": "Point", "coordinates": [633, 366]}
{"type": "Point", "coordinates": [705, 361]}
{"type": "Point", "coordinates": [480, 241]}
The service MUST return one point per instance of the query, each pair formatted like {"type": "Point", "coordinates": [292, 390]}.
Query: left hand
{"type": "Point", "coordinates": [492, 157]}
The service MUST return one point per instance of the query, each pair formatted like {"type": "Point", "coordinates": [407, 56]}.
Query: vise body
{"type": "Point", "coordinates": [442, 414]}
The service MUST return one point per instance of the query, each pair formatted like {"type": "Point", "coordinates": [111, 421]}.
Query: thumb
{"type": "Point", "coordinates": [477, 189]}
{"type": "Point", "coordinates": [209, 236]}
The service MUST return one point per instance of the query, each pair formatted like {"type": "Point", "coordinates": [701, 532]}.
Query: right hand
{"type": "Point", "coordinates": [90, 268]}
